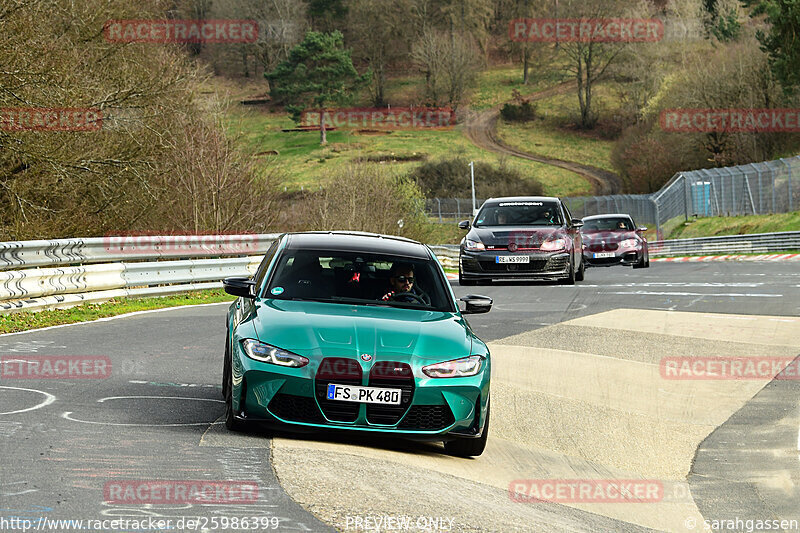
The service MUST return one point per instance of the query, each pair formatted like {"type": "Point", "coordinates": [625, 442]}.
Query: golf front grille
{"type": "Point", "coordinates": [390, 375]}
{"type": "Point", "coordinates": [535, 265]}
{"type": "Point", "coordinates": [341, 371]}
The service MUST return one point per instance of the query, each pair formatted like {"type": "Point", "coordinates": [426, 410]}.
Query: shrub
{"type": "Point", "coordinates": [368, 197]}
{"type": "Point", "coordinates": [524, 112]}
{"type": "Point", "coordinates": [450, 178]}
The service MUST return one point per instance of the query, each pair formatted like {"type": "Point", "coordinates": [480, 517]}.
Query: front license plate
{"type": "Point", "coordinates": [603, 255]}
{"type": "Point", "coordinates": [353, 393]}
{"type": "Point", "coordinates": [512, 259]}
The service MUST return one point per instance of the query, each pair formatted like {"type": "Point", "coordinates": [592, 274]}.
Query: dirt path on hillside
{"type": "Point", "coordinates": [481, 129]}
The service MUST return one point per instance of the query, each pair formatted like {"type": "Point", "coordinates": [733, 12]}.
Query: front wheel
{"type": "Point", "coordinates": [640, 263]}
{"type": "Point", "coordinates": [581, 273]}
{"type": "Point", "coordinates": [463, 447]}
{"type": "Point", "coordinates": [570, 279]}
{"type": "Point", "coordinates": [231, 422]}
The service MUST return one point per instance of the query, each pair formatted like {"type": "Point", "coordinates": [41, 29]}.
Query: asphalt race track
{"type": "Point", "coordinates": [577, 393]}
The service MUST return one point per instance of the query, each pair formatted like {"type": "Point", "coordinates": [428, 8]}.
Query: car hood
{"type": "Point", "coordinates": [316, 329]}
{"type": "Point", "coordinates": [521, 235]}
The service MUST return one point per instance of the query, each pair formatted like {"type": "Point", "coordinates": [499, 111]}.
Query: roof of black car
{"type": "Point", "coordinates": [357, 241]}
{"type": "Point", "coordinates": [492, 201]}
{"type": "Point", "coordinates": [607, 215]}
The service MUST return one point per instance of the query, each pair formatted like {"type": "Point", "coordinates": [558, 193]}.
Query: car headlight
{"type": "Point", "coordinates": [458, 368]}
{"type": "Point", "coordinates": [629, 243]}
{"type": "Point", "coordinates": [270, 354]}
{"type": "Point", "coordinates": [474, 245]}
{"type": "Point", "coordinates": [554, 244]}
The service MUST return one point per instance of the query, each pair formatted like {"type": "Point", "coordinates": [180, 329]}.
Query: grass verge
{"type": "Point", "coordinates": [739, 225]}
{"type": "Point", "coordinates": [26, 320]}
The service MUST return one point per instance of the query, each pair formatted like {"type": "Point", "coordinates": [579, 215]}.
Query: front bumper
{"type": "Point", "coordinates": [625, 257]}
{"type": "Point", "coordinates": [295, 399]}
{"type": "Point", "coordinates": [541, 265]}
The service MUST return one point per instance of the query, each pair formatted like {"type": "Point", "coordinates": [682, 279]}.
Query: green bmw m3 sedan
{"type": "Point", "coordinates": [358, 332]}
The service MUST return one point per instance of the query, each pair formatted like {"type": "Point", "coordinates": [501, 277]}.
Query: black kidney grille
{"type": "Point", "coordinates": [427, 418]}
{"type": "Point", "coordinates": [392, 375]}
{"type": "Point", "coordinates": [341, 371]}
{"type": "Point", "coordinates": [295, 408]}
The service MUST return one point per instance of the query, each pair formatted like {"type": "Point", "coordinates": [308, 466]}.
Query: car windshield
{"type": "Point", "coordinates": [520, 213]}
{"type": "Point", "coordinates": [608, 224]}
{"type": "Point", "coordinates": [358, 278]}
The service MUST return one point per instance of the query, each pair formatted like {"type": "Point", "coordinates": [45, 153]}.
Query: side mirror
{"type": "Point", "coordinates": [474, 304]}
{"type": "Point", "coordinates": [641, 229]}
{"type": "Point", "coordinates": [577, 223]}
{"type": "Point", "coordinates": [239, 287]}
{"type": "Point", "coordinates": [464, 224]}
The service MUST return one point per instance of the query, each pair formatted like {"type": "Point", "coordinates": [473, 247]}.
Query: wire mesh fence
{"type": "Point", "coordinates": [753, 189]}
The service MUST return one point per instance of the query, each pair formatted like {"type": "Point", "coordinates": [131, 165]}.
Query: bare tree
{"type": "Point", "coordinates": [449, 63]}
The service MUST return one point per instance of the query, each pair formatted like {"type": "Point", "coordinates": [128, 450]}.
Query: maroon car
{"type": "Point", "coordinates": [614, 240]}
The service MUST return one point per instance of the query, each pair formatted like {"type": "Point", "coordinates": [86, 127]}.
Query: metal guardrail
{"type": "Point", "coordinates": [17, 254]}
{"type": "Point", "coordinates": [728, 244]}
{"type": "Point", "coordinates": [97, 269]}
{"type": "Point", "coordinates": [71, 282]}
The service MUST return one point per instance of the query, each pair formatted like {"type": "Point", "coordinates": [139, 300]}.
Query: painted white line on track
{"type": "Point", "coordinates": [67, 415]}
{"type": "Point", "coordinates": [728, 294]}
{"type": "Point", "coordinates": [101, 400]}
{"type": "Point", "coordinates": [106, 319]}
{"type": "Point", "coordinates": [49, 398]}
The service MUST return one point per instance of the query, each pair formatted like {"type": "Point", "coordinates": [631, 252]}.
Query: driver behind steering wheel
{"type": "Point", "coordinates": [401, 286]}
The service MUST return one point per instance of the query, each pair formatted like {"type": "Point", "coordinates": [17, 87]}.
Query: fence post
{"type": "Point", "coordinates": [789, 182]}
{"type": "Point", "coordinates": [659, 237]}
{"type": "Point", "coordinates": [439, 201]}
{"type": "Point", "coordinates": [685, 197]}
{"type": "Point", "coordinates": [760, 190]}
